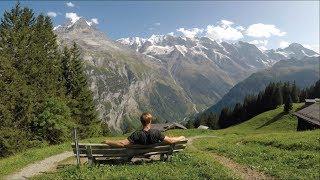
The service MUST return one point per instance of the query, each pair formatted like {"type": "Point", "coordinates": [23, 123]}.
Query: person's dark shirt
{"type": "Point", "coordinates": [143, 137]}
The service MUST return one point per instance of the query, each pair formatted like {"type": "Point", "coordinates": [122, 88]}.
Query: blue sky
{"type": "Point", "coordinates": [266, 24]}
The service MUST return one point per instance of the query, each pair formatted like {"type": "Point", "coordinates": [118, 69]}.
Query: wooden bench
{"type": "Point", "coordinates": [96, 152]}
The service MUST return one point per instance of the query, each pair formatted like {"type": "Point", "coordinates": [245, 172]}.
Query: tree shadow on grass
{"type": "Point", "coordinates": [274, 119]}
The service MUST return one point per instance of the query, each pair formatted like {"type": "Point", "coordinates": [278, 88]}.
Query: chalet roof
{"type": "Point", "coordinates": [167, 126]}
{"type": "Point", "coordinates": [310, 113]}
{"type": "Point", "coordinates": [310, 100]}
{"type": "Point", "coordinates": [203, 127]}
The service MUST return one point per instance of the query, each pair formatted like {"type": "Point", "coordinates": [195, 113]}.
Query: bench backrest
{"type": "Point", "coordinates": [103, 150]}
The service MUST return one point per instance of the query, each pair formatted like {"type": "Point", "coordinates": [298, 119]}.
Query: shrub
{"type": "Point", "coordinates": [54, 124]}
{"type": "Point", "coordinates": [13, 140]}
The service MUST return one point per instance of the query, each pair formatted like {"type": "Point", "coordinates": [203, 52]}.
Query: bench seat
{"type": "Point", "coordinates": [103, 151]}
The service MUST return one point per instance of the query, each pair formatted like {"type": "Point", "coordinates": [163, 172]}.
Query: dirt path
{"type": "Point", "coordinates": [191, 139]}
{"type": "Point", "coordinates": [40, 166]}
{"type": "Point", "coordinates": [242, 171]}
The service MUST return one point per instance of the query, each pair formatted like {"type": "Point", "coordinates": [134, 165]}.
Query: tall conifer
{"type": "Point", "coordinates": [294, 93]}
{"type": "Point", "coordinates": [83, 107]}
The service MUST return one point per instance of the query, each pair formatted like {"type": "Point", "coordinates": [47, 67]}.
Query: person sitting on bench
{"type": "Point", "coordinates": [145, 136]}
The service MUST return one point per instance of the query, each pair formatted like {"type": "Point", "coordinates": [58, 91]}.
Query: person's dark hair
{"type": "Point", "coordinates": [146, 118]}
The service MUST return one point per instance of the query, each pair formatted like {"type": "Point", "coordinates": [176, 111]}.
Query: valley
{"type": "Point", "coordinates": [159, 90]}
{"type": "Point", "coordinates": [174, 77]}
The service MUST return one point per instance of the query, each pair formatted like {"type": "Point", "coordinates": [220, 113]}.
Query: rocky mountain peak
{"type": "Point", "coordinates": [241, 54]}
{"type": "Point", "coordinates": [81, 23]}
{"type": "Point", "coordinates": [299, 50]}
{"type": "Point", "coordinates": [295, 46]}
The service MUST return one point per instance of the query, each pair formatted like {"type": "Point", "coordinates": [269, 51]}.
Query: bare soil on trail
{"type": "Point", "coordinates": [51, 163]}
{"type": "Point", "coordinates": [242, 171]}
{"type": "Point", "coordinates": [39, 167]}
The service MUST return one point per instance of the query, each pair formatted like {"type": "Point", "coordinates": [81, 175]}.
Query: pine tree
{"type": "Point", "coordinates": [66, 71]}
{"type": "Point", "coordinates": [286, 91]}
{"type": "Point", "coordinates": [268, 93]}
{"type": "Point", "coordinates": [15, 38]}
{"type": "Point", "coordinates": [277, 96]}
{"type": "Point", "coordinates": [259, 103]}
{"type": "Point", "coordinates": [29, 73]}
{"type": "Point", "coordinates": [190, 124]}
{"type": "Point", "coordinates": [83, 107]}
{"type": "Point", "coordinates": [249, 104]}
{"type": "Point", "coordinates": [294, 93]}
{"type": "Point", "coordinates": [203, 118]}
{"type": "Point", "coordinates": [303, 95]}
{"type": "Point", "coordinates": [314, 91]}
{"type": "Point", "coordinates": [224, 118]}
{"type": "Point", "coordinates": [8, 86]}
{"type": "Point", "coordinates": [212, 121]}
{"type": "Point", "coordinates": [237, 113]}
{"type": "Point", "coordinates": [288, 105]}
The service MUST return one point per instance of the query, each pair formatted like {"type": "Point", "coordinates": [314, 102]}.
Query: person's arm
{"type": "Point", "coordinates": [120, 143]}
{"type": "Point", "coordinates": [172, 140]}
{"type": "Point", "coordinates": [123, 143]}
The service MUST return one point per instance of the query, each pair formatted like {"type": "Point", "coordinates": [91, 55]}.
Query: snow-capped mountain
{"type": "Point", "coordinates": [125, 83]}
{"type": "Point", "coordinates": [205, 68]}
{"type": "Point", "coordinates": [244, 54]}
{"type": "Point", "coordinates": [170, 76]}
{"type": "Point", "coordinates": [294, 50]}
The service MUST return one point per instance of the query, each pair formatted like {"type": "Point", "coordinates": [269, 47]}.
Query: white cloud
{"type": "Point", "coordinates": [190, 32]}
{"type": "Point", "coordinates": [226, 30]}
{"type": "Point", "coordinates": [306, 46]}
{"type": "Point", "coordinates": [240, 28]}
{"type": "Point", "coordinates": [70, 4]}
{"type": "Point", "coordinates": [157, 24]}
{"type": "Point", "coordinates": [226, 22]}
{"type": "Point", "coordinates": [262, 48]}
{"type": "Point", "coordinates": [264, 30]}
{"type": "Point", "coordinates": [313, 47]}
{"type": "Point", "coordinates": [223, 31]}
{"type": "Point", "coordinates": [52, 14]}
{"type": "Point", "coordinates": [95, 20]}
{"type": "Point", "coordinates": [171, 33]}
{"type": "Point", "coordinates": [316, 48]}
{"type": "Point", "coordinates": [283, 44]}
{"type": "Point", "coordinates": [72, 16]}
{"type": "Point", "coordinates": [259, 42]}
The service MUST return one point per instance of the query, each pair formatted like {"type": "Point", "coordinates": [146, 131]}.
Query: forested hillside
{"type": "Point", "coordinates": [273, 96]}
{"type": "Point", "coordinates": [304, 72]}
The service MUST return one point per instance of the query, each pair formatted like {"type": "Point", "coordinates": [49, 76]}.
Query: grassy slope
{"type": "Point", "coordinates": [270, 121]}
{"type": "Point", "coordinates": [268, 142]}
{"type": "Point", "coordinates": [288, 156]}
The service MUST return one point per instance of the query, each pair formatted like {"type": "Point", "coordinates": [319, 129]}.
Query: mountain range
{"type": "Point", "coordinates": [171, 76]}
{"type": "Point", "coordinates": [303, 72]}
{"type": "Point", "coordinates": [206, 69]}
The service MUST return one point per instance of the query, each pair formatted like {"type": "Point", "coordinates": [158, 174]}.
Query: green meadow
{"type": "Point", "coordinates": [267, 143]}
